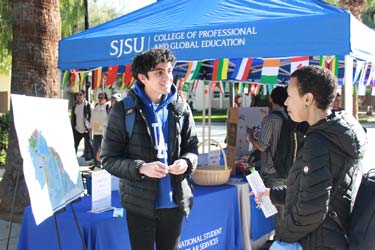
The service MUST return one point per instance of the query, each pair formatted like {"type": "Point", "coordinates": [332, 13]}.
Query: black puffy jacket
{"type": "Point", "coordinates": [121, 155]}
{"type": "Point", "coordinates": [331, 146]}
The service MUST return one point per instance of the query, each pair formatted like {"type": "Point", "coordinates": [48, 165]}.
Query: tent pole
{"type": "Point", "coordinates": [204, 114]}
{"type": "Point", "coordinates": [348, 81]}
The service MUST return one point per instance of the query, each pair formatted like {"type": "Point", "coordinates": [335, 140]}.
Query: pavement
{"type": "Point", "coordinates": [218, 133]}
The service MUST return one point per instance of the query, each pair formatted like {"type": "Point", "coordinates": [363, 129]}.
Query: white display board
{"type": "Point", "coordinates": [46, 144]}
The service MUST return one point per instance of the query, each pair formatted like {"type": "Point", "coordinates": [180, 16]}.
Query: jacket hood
{"type": "Point", "coordinates": [345, 132]}
{"type": "Point", "coordinates": [171, 96]}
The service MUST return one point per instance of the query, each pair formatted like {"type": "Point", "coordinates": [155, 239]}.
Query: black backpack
{"type": "Point", "coordinates": [362, 219]}
{"type": "Point", "coordinates": [129, 107]}
{"type": "Point", "coordinates": [360, 234]}
{"type": "Point", "coordinates": [286, 150]}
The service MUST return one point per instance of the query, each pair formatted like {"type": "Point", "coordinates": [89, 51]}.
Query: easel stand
{"type": "Point", "coordinates": [13, 204]}
{"type": "Point", "coordinates": [76, 221]}
{"type": "Point", "coordinates": [57, 227]}
{"type": "Point", "coordinates": [77, 224]}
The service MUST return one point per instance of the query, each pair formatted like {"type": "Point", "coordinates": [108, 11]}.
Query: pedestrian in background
{"type": "Point", "coordinates": [99, 120]}
{"type": "Point", "coordinates": [238, 101]}
{"type": "Point", "coordinates": [337, 103]}
{"type": "Point", "coordinates": [334, 144]}
{"type": "Point", "coordinates": [115, 98]}
{"type": "Point", "coordinates": [80, 120]}
{"type": "Point", "coordinates": [154, 164]}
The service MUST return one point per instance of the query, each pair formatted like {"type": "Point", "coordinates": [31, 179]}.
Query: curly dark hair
{"type": "Point", "coordinates": [146, 61]}
{"type": "Point", "coordinates": [318, 81]}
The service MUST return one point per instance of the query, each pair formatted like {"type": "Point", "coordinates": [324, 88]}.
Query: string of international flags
{"type": "Point", "coordinates": [221, 78]}
{"type": "Point", "coordinates": [101, 77]}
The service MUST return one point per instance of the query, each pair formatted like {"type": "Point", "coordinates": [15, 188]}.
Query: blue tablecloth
{"type": "Point", "coordinates": [214, 223]}
{"type": "Point", "coordinates": [260, 225]}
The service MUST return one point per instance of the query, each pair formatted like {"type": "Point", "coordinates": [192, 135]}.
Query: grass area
{"type": "Point", "coordinates": [220, 116]}
{"type": "Point", "coordinates": [214, 118]}
{"type": "Point", "coordinates": [217, 116]}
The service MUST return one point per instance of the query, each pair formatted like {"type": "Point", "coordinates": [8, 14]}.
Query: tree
{"type": "Point", "coordinates": [72, 21]}
{"type": "Point", "coordinates": [6, 35]}
{"type": "Point", "coordinates": [34, 72]}
{"type": "Point", "coordinates": [368, 15]}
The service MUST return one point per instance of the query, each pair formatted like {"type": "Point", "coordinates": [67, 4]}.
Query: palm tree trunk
{"type": "Point", "coordinates": [36, 32]}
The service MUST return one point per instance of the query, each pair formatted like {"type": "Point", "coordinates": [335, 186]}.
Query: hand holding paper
{"type": "Point", "coordinates": [257, 185]}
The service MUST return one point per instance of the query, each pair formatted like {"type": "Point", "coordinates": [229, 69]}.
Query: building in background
{"type": "Point", "coordinates": [4, 93]}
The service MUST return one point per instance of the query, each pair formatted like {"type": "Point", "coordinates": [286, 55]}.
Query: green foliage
{"type": "Point", "coordinates": [72, 21]}
{"type": "Point", "coordinates": [6, 35]}
{"type": "Point", "coordinates": [72, 17]}
{"type": "Point", "coordinates": [217, 115]}
{"type": "Point", "coordinates": [100, 15]}
{"type": "Point", "coordinates": [333, 2]}
{"type": "Point", "coordinates": [4, 133]}
{"type": "Point", "coordinates": [368, 15]}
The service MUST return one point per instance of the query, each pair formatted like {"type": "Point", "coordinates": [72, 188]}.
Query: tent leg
{"type": "Point", "coordinates": [348, 87]}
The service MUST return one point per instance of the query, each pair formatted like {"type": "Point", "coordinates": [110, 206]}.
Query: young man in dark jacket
{"type": "Point", "coordinates": [154, 163]}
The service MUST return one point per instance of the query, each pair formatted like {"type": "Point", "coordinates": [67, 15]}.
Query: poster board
{"type": "Point", "coordinates": [46, 144]}
{"type": "Point", "coordinates": [238, 120]}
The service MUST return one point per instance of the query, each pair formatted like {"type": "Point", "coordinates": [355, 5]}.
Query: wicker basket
{"type": "Point", "coordinates": [212, 175]}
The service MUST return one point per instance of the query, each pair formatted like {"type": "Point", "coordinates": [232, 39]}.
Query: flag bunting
{"type": "Point", "coordinates": [270, 71]}
{"type": "Point", "coordinates": [331, 63]}
{"type": "Point", "coordinates": [242, 69]}
{"type": "Point", "coordinates": [192, 72]}
{"type": "Point", "coordinates": [220, 69]}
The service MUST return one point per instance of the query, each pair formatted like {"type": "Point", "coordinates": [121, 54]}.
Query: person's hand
{"type": "Point", "coordinates": [178, 167]}
{"type": "Point", "coordinates": [154, 169]}
{"type": "Point", "coordinates": [250, 138]}
{"type": "Point", "coordinates": [257, 197]}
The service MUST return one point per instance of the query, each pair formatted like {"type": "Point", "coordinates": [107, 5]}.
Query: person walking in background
{"type": "Point", "coordinates": [337, 103]}
{"type": "Point", "coordinates": [319, 187]}
{"type": "Point", "coordinates": [80, 120]}
{"type": "Point", "coordinates": [99, 118]}
{"type": "Point", "coordinates": [266, 142]}
{"type": "Point", "coordinates": [154, 163]}
{"type": "Point", "coordinates": [238, 101]}
{"type": "Point", "coordinates": [115, 98]}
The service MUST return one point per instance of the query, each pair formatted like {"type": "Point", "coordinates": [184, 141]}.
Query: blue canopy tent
{"type": "Point", "coordinates": [199, 30]}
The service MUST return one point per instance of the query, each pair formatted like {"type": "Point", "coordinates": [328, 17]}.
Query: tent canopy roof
{"type": "Point", "coordinates": [198, 30]}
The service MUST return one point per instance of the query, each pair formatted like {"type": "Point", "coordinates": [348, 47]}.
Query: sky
{"type": "Point", "coordinates": [126, 5]}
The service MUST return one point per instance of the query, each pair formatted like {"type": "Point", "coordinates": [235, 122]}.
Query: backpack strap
{"type": "Point", "coordinates": [129, 107]}
{"type": "Point", "coordinates": [338, 181]}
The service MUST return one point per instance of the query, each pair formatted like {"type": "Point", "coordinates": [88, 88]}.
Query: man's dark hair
{"type": "Point", "coordinates": [318, 81]}
{"type": "Point", "coordinates": [279, 95]}
{"type": "Point", "coordinates": [147, 61]}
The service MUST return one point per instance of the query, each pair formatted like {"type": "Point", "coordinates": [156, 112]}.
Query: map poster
{"type": "Point", "coordinates": [46, 144]}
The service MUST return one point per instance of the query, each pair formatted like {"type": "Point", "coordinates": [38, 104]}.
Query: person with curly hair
{"type": "Point", "coordinates": [155, 162]}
